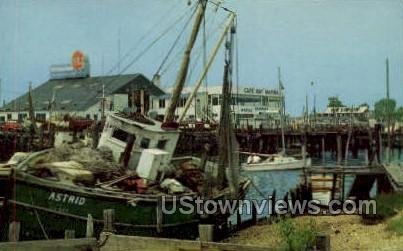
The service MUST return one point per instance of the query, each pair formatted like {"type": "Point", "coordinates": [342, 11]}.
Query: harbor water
{"type": "Point", "coordinates": [282, 181]}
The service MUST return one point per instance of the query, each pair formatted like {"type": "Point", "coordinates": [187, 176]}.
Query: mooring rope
{"type": "Point", "coordinates": [39, 220]}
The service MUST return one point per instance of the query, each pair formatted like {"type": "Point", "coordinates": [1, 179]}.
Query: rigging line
{"type": "Point", "coordinates": [205, 60]}
{"type": "Point", "coordinates": [138, 56]}
{"type": "Point", "coordinates": [177, 39]}
{"type": "Point", "coordinates": [140, 40]}
{"type": "Point", "coordinates": [219, 5]}
{"type": "Point", "coordinates": [179, 53]}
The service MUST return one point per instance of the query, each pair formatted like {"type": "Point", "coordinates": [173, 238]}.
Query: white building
{"type": "Point", "coordinates": [251, 106]}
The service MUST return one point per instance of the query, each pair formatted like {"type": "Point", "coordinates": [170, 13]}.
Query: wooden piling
{"type": "Point", "coordinates": [160, 214]}
{"type": "Point", "coordinates": [322, 242]}
{"type": "Point", "coordinates": [90, 227]}
{"type": "Point", "coordinates": [366, 157]}
{"type": "Point", "coordinates": [109, 218]}
{"type": "Point", "coordinates": [14, 231]}
{"type": "Point", "coordinates": [339, 149]}
{"type": "Point", "coordinates": [206, 232]}
{"type": "Point", "coordinates": [254, 214]}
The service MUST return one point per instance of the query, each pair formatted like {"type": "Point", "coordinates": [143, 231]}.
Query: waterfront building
{"type": "Point", "coordinates": [343, 115]}
{"type": "Point", "coordinates": [251, 106]}
{"type": "Point", "coordinates": [72, 91]}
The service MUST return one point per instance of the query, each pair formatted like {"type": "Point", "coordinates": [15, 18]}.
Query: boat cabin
{"type": "Point", "coordinates": [137, 139]}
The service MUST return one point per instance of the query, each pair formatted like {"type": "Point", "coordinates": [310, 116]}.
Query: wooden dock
{"type": "Point", "coordinates": [395, 174]}
{"type": "Point", "coordinates": [349, 170]}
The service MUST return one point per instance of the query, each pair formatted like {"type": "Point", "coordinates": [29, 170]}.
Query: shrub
{"type": "Point", "coordinates": [387, 205]}
{"type": "Point", "coordinates": [297, 236]}
{"type": "Point", "coordinates": [396, 225]}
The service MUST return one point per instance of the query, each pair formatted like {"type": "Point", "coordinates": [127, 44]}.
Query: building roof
{"type": "Point", "coordinates": [81, 93]}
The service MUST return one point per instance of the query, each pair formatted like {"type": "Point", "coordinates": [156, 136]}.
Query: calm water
{"type": "Point", "coordinates": [283, 181]}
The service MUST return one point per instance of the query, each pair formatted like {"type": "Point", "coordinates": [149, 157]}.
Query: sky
{"type": "Point", "coordinates": [339, 45]}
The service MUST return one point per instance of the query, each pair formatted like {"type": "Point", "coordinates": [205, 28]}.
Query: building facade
{"type": "Point", "coordinates": [255, 107]}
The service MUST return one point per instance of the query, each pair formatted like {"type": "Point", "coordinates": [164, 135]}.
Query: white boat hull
{"type": "Point", "coordinates": [267, 166]}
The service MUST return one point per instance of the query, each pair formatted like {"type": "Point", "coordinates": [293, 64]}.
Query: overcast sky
{"type": "Point", "coordinates": [340, 45]}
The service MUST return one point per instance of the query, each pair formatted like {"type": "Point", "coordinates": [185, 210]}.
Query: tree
{"type": "Point", "coordinates": [334, 102]}
{"type": "Point", "coordinates": [399, 114]}
{"type": "Point", "coordinates": [384, 107]}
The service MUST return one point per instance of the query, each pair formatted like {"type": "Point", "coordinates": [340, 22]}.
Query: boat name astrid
{"type": "Point", "coordinates": [66, 198]}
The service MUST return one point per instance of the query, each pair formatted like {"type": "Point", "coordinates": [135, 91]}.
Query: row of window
{"type": "Point", "coordinates": [144, 143]}
{"type": "Point", "coordinates": [217, 99]}
{"type": "Point", "coordinates": [181, 103]}
{"type": "Point", "coordinates": [22, 116]}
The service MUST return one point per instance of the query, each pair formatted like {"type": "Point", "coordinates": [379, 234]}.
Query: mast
{"type": "Point", "coordinates": [207, 66]}
{"type": "Point", "coordinates": [181, 77]}
{"type": "Point", "coordinates": [51, 109]}
{"type": "Point", "coordinates": [228, 158]}
{"type": "Point", "coordinates": [282, 110]}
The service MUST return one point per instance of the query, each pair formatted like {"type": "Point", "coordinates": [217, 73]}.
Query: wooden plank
{"type": "Point", "coordinates": [51, 245]}
{"type": "Point", "coordinates": [128, 243]}
{"type": "Point", "coordinates": [395, 171]}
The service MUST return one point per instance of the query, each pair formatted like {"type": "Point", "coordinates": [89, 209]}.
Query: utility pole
{"type": "Point", "coordinates": [387, 111]}
{"type": "Point", "coordinates": [103, 99]}
{"type": "Point", "coordinates": [282, 109]}
{"type": "Point", "coordinates": [118, 51]}
{"type": "Point", "coordinates": [31, 109]}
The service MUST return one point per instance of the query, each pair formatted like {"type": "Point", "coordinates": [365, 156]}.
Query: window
{"type": "Point", "coordinates": [182, 102]}
{"type": "Point", "coordinates": [40, 116]}
{"type": "Point", "coordinates": [144, 143]}
{"type": "Point", "coordinates": [95, 116]}
{"type": "Point", "coordinates": [161, 144]}
{"type": "Point", "coordinates": [120, 135]}
{"type": "Point", "coordinates": [162, 103]}
{"type": "Point", "coordinates": [2, 119]}
{"type": "Point", "coordinates": [88, 116]}
{"type": "Point", "coordinates": [22, 116]}
{"type": "Point", "coordinates": [215, 101]}
{"type": "Point", "coordinates": [9, 116]}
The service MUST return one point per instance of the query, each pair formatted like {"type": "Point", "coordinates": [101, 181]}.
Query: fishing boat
{"type": "Point", "coordinates": [57, 189]}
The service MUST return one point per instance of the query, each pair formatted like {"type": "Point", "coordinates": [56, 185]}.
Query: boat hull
{"type": "Point", "coordinates": [46, 212]}
{"type": "Point", "coordinates": [264, 166]}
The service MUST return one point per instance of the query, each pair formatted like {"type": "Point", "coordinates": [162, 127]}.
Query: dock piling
{"type": "Point", "coordinates": [90, 227]}
{"type": "Point", "coordinates": [206, 232]}
{"type": "Point", "coordinates": [109, 218]}
{"type": "Point", "coordinates": [14, 231]}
